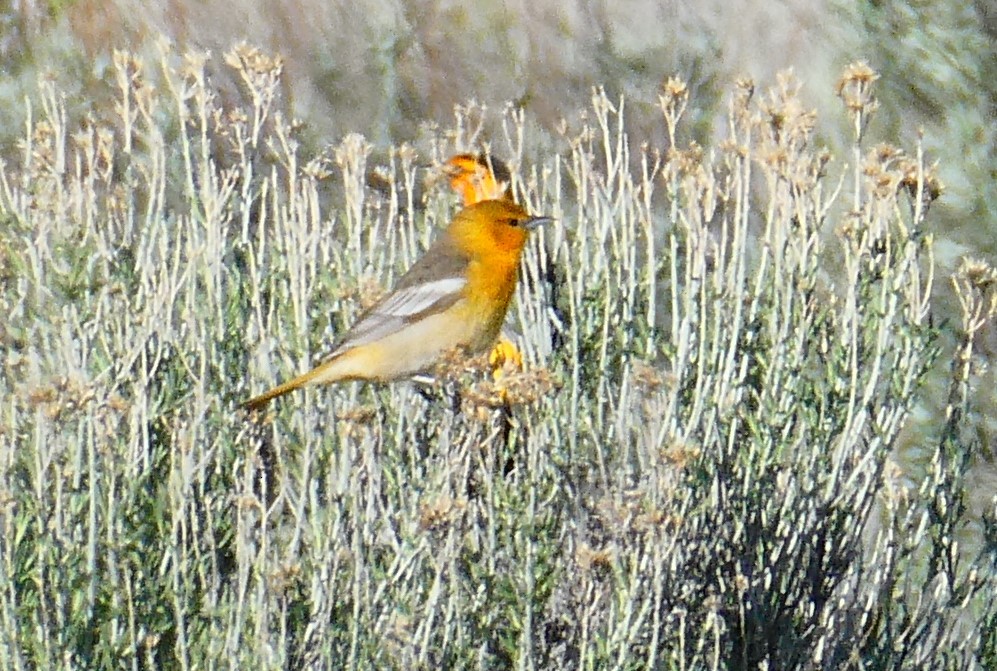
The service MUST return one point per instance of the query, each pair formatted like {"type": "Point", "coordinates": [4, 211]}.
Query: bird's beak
{"type": "Point", "coordinates": [536, 222]}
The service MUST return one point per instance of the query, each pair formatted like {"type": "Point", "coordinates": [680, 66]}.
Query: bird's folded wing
{"type": "Point", "coordinates": [422, 292]}
{"type": "Point", "coordinates": [401, 308]}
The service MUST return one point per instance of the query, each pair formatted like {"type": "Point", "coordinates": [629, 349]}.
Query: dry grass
{"type": "Point", "coordinates": [696, 469]}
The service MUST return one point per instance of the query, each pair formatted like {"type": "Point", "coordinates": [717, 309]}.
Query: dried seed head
{"type": "Point", "coordinates": [589, 559]}
{"type": "Point", "coordinates": [439, 512]}
{"type": "Point", "coordinates": [855, 88]}
{"type": "Point", "coordinates": [744, 92]}
{"type": "Point", "coordinates": [674, 91]}
{"type": "Point", "coordinates": [933, 187]}
{"type": "Point", "coordinates": [978, 273]}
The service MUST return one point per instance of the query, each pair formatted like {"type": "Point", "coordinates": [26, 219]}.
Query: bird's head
{"type": "Point", "coordinates": [494, 227]}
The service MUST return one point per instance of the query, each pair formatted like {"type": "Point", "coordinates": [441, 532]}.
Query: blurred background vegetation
{"type": "Point", "coordinates": [385, 68]}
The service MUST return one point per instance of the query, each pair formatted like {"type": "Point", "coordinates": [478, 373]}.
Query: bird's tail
{"type": "Point", "coordinates": [259, 402]}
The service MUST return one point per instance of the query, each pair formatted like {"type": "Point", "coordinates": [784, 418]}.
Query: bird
{"type": "Point", "coordinates": [454, 297]}
{"type": "Point", "coordinates": [477, 177]}
{"type": "Point", "coordinates": [473, 177]}
{"type": "Point", "coordinates": [482, 176]}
